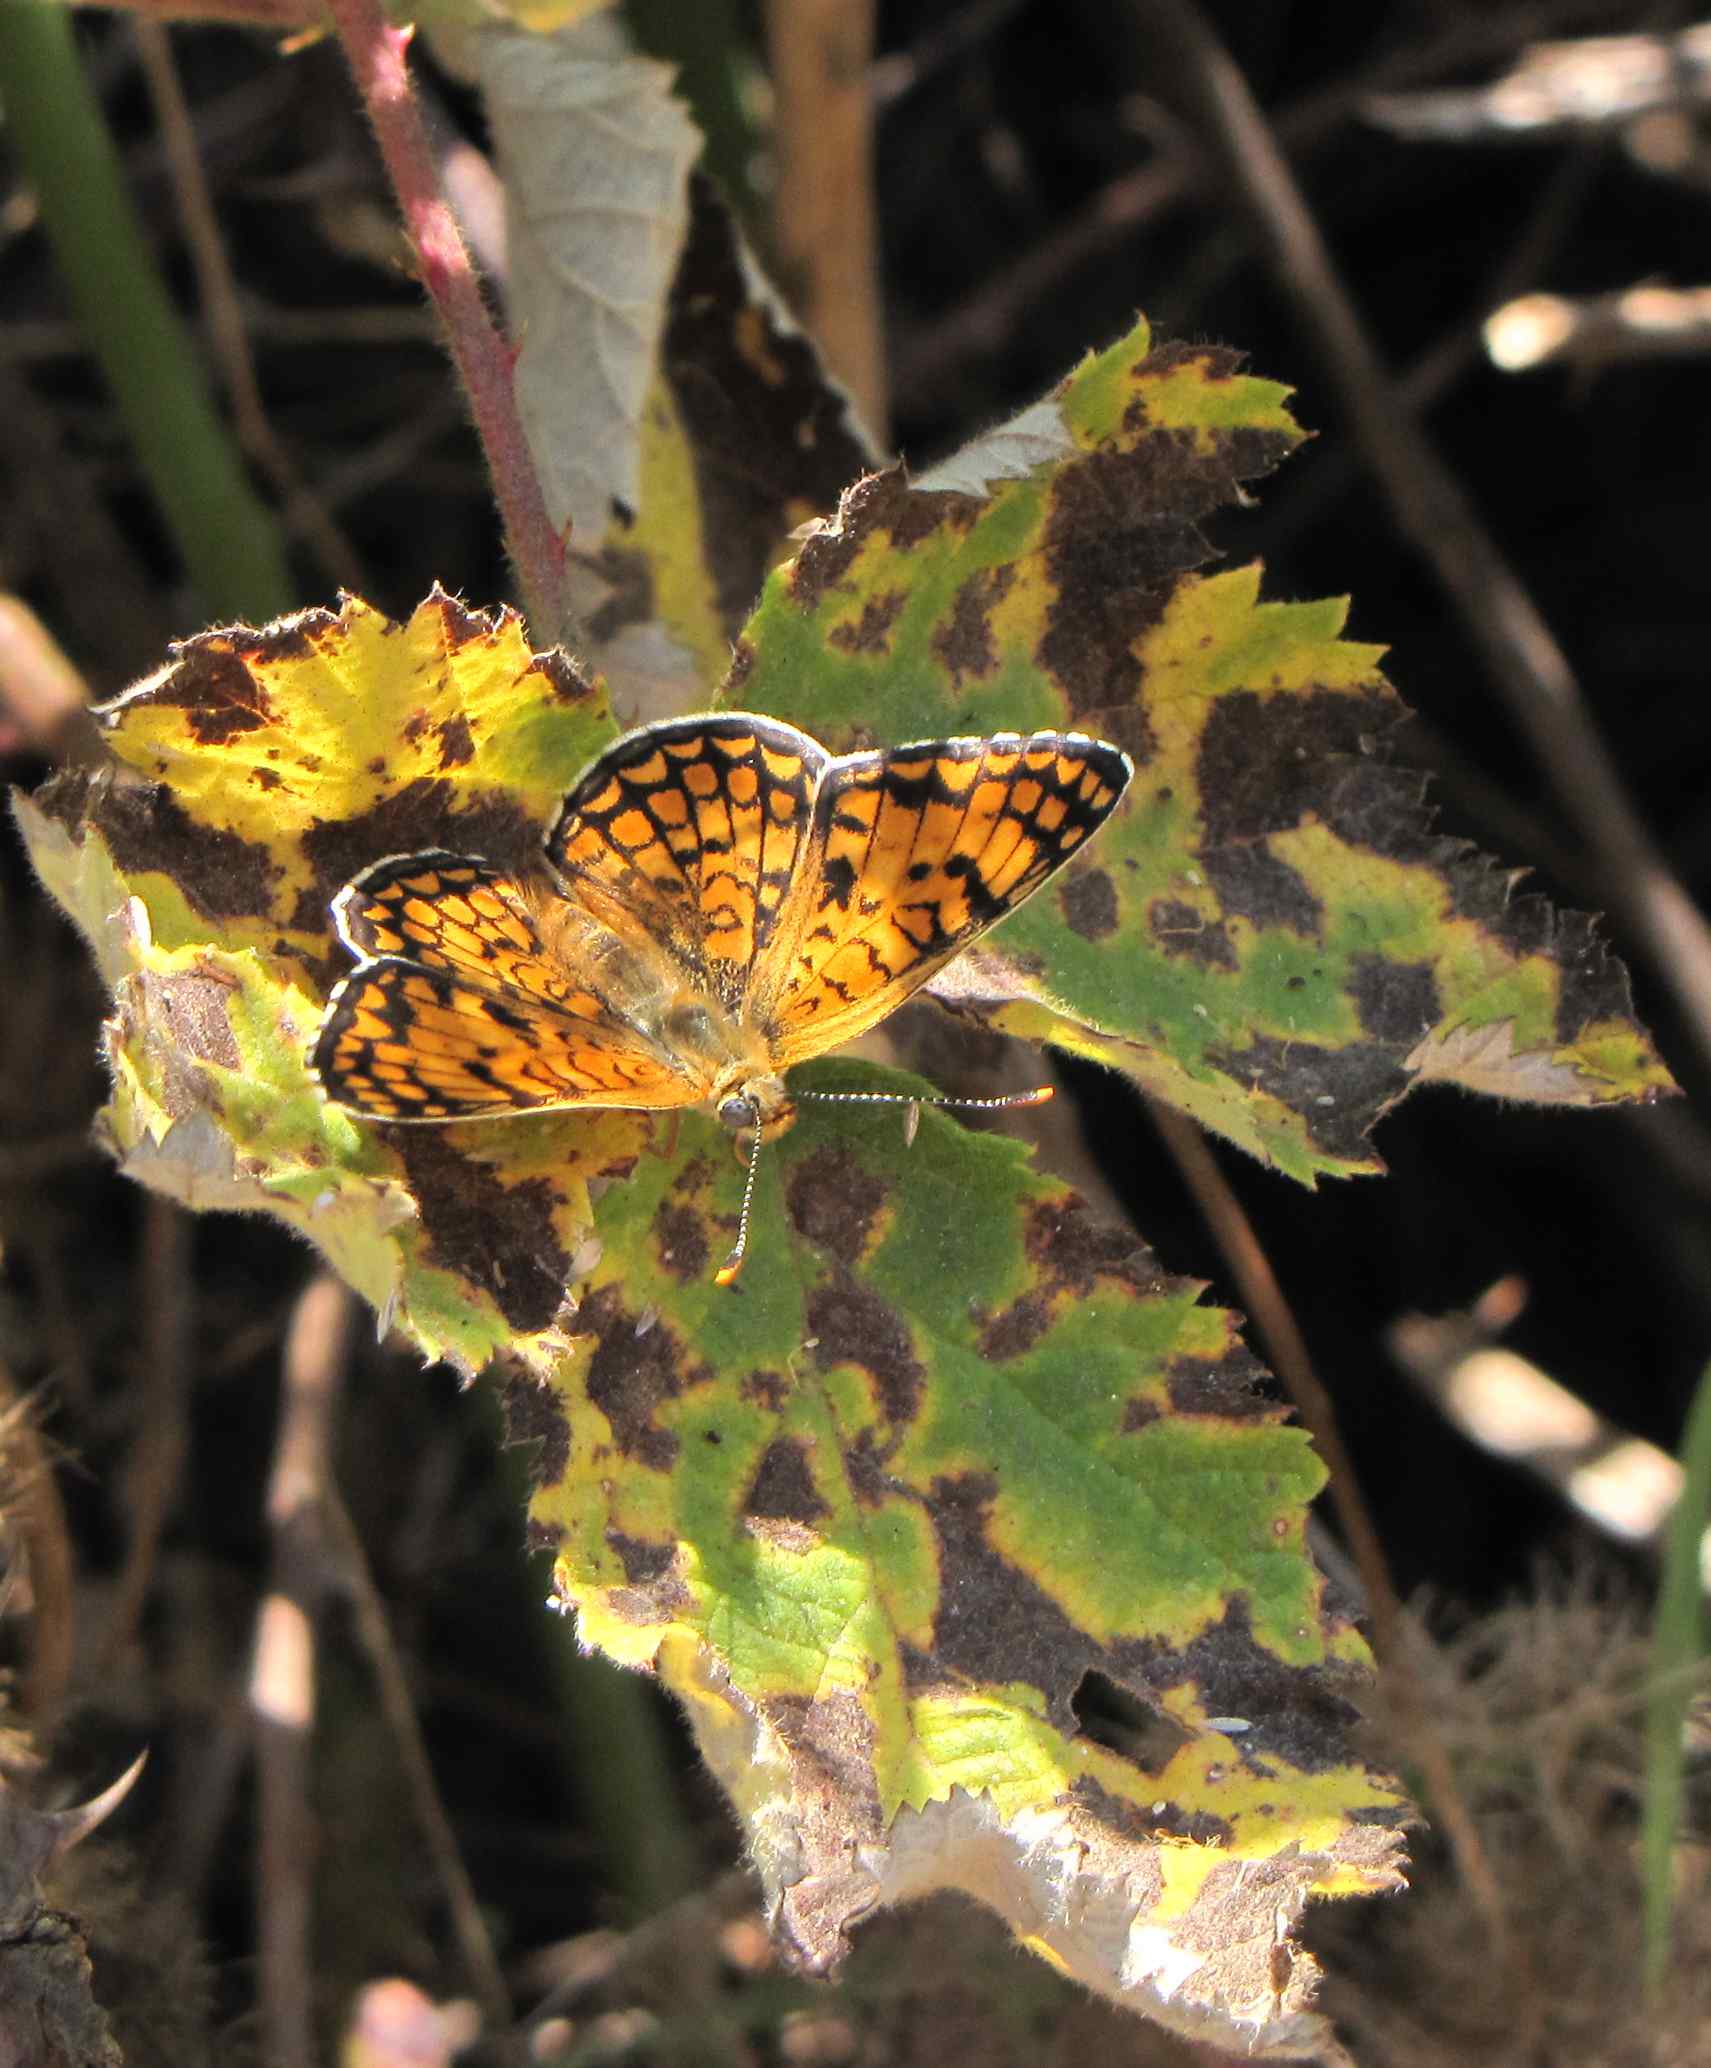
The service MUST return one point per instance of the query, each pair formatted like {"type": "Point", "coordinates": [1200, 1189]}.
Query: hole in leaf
{"type": "Point", "coordinates": [1111, 1716]}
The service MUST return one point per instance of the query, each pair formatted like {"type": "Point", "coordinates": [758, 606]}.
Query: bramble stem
{"type": "Point", "coordinates": [484, 360]}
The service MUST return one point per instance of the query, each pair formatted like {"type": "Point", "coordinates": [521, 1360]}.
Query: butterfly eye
{"type": "Point", "coordinates": [737, 1112]}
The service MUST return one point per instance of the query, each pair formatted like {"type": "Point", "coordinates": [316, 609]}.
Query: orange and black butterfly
{"type": "Point", "coordinates": [722, 898]}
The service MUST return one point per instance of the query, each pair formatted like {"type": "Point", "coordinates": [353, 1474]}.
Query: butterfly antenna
{"type": "Point", "coordinates": [1037, 1097]}
{"type": "Point", "coordinates": [734, 1262]}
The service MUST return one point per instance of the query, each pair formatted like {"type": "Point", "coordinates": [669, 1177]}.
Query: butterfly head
{"type": "Point", "coordinates": [758, 1100]}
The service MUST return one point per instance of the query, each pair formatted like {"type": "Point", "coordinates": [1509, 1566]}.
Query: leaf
{"type": "Point", "coordinates": [680, 422]}
{"type": "Point", "coordinates": [280, 761]}
{"type": "Point", "coordinates": [595, 154]}
{"type": "Point", "coordinates": [879, 1513]}
{"type": "Point", "coordinates": [1268, 935]}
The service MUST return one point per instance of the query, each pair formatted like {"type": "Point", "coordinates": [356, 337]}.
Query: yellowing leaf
{"type": "Point", "coordinates": [1268, 935]}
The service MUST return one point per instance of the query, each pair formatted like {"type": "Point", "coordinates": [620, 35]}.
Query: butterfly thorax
{"type": "Point", "coordinates": [639, 980]}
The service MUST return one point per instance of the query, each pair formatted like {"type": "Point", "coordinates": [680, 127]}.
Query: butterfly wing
{"type": "Point", "coordinates": [458, 1009]}
{"type": "Point", "coordinates": [916, 852]}
{"type": "Point", "coordinates": [694, 831]}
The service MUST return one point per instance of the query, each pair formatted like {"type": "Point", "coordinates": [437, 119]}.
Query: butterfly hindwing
{"type": "Point", "coordinates": [402, 1041]}
{"type": "Point", "coordinates": [459, 1008]}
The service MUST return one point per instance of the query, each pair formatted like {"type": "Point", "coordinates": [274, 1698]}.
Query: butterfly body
{"type": "Point", "coordinates": [719, 898]}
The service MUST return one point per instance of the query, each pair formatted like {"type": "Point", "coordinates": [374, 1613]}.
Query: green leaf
{"type": "Point", "coordinates": [1268, 934]}
{"type": "Point", "coordinates": [948, 1448]}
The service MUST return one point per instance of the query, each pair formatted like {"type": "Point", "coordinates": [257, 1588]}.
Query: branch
{"type": "Point", "coordinates": [483, 359]}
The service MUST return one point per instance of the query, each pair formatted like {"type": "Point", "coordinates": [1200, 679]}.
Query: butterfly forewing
{"type": "Point", "coordinates": [697, 829]}
{"type": "Point", "coordinates": [917, 851]}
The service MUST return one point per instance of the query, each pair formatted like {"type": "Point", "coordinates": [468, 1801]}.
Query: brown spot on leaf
{"type": "Point", "coordinates": [1302, 1714]}
{"type": "Point", "coordinates": [737, 674]}
{"type": "Point", "coordinates": [855, 1326]}
{"type": "Point", "coordinates": [1073, 1251]}
{"type": "Point", "coordinates": [429, 812]}
{"type": "Point", "coordinates": [833, 1203]}
{"type": "Point", "coordinates": [631, 1377]}
{"type": "Point", "coordinates": [865, 1468]}
{"type": "Point", "coordinates": [1397, 1002]}
{"type": "Point", "coordinates": [680, 1238]}
{"type": "Point", "coordinates": [1338, 1092]}
{"type": "Point", "coordinates": [214, 688]}
{"type": "Point", "coordinates": [1183, 931]}
{"type": "Point", "coordinates": [994, 1623]}
{"type": "Point", "coordinates": [223, 875]}
{"type": "Point", "coordinates": [565, 681]}
{"type": "Point", "coordinates": [642, 1558]}
{"type": "Point", "coordinates": [194, 1007]}
{"type": "Point", "coordinates": [769, 438]}
{"type": "Point", "coordinates": [1146, 1827]}
{"type": "Point", "coordinates": [1017, 1328]}
{"type": "Point", "coordinates": [871, 633]}
{"type": "Point", "coordinates": [457, 742]}
{"type": "Point", "coordinates": [1138, 1413]}
{"type": "Point", "coordinates": [539, 1535]}
{"type": "Point", "coordinates": [964, 643]}
{"type": "Point", "coordinates": [767, 1389]}
{"type": "Point", "coordinates": [783, 1488]}
{"type": "Point", "coordinates": [1254, 884]}
{"type": "Point", "coordinates": [464, 626]}
{"type": "Point", "coordinates": [535, 1420]}
{"type": "Point", "coordinates": [1228, 1386]}
{"type": "Point", "coordinates": [1088, 901]}
{"type": "Point", "coordinates": [499, 1237]}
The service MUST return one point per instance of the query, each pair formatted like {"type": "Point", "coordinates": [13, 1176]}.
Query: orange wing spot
{"type": "Point", "coordinates": [1002, 762]}
{"type": "Point", "coordinates": [426, 885]}
{"type": "Point", "coordinates": [737, 748]}
{"type": "Point", "coordinates": [783, 768]}
{"type": "Point", "coordinates": [1043, 758]}
{"type": "Point", "coordinates": [415, 1093]}
{"type": "Point", "coordinates": [700, 780]}
{"type": "Point", "coordinates": [608, 800]}
{"type": "Point", "coordinates": [1004, 879]}
{"type": "Point", "coordinates": [1025, 796]}
{"type": "Point", "coordinates": [648, 772]}
{"type": "Point", "coordinates": [782, 804]}
{"type": "Point", "coordinates": [1051, 814]}
{"type": "Point", "coordinates": [632, 829]}
{"type": "Point", "coordinates": [909, 771]}
{"type": "Point", "coordinates": [683, 750]}
{"type": "Point", "coordinates": [669, 807]}
{"type": "Point", "coordinates": [957, 776]}
{"type": "Point", "coordinates": [1073, 836]}
{"type": "Point", "coordinates": [458, 909]}
{"type": "Point", "coordinates": [744, 785]}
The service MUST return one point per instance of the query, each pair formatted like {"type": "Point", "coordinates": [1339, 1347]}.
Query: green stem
{"type": "Point", "coordinates": [1678, 1647]}
{"type": "Point", "coordinates": [229, 540]}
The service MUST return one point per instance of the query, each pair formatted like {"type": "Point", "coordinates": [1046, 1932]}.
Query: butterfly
{"type": "Point", "coordinates": [721, 898]}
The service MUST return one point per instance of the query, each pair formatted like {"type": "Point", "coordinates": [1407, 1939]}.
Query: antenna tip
{"type": "Point", "coordinates": [729, 1268]}
{"type": "Point", "coordinates": [1043, 1096]}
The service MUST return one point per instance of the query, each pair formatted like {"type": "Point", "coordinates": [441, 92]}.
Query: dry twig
{"type": "Point", "coordinates": [823, 213]}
